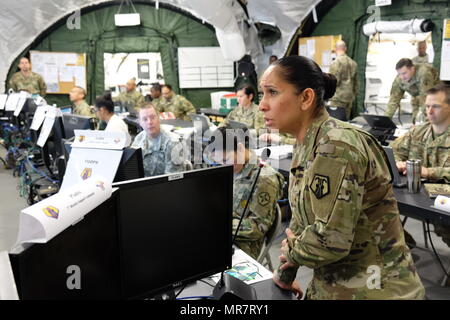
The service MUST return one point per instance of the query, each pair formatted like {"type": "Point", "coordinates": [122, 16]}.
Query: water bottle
{"type": "Point", "coordinates": [413, 170]}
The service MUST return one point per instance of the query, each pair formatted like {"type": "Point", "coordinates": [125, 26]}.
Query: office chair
{"type": "Point", "coordinates": [274, 231]}
{"type": "Point", "coordinates": [337, 112]}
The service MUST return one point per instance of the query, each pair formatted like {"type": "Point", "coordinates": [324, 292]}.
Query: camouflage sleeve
{"type": "Point", "coordinates": [286, 138]}
{"type": "Point", "coordinates": [42, 86]}
{"type": "Point", "coordinates": [394, 99]}
{"type": "Point", "coordinates": [438, 174]}
{"type": "Point", "coordinates": [187, 106]}
{"type": "Point", "coordinates": [230, 116]}
{"type": "Point", "coordinates": [329, 238]}
{"type": "Point", "coordinates": [174, 155]}
{"type": "Point", "coordinates": [261, 214]}
{"type": "Point", "coordinates": [401, 146]}
{"type": "Point", "coordinates": [140, 101]}
{"type": "Point", "coordinates": [12, 84]}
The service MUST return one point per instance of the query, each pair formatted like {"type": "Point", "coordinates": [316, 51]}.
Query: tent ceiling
{"type": "Point", "coordinates": [22, 21]}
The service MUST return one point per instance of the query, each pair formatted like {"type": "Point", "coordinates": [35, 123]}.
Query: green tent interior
{"type": "Point", "coordinates": [162, 30]}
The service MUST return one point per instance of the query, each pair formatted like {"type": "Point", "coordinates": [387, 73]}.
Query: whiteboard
{"type": "Point", "coordinates": [445, 52]}
{"type": "Point", "coordinates": [61, 70]}
{"type": "Point", "coordinates": [204, 67]}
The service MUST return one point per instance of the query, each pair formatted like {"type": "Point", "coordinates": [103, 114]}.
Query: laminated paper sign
{"type": "Point", "coordinates": [100, 139]}
{"type": "Point", "coordinates": [442, 203]}
{"type": "Point", "coordinates": [49, 217]}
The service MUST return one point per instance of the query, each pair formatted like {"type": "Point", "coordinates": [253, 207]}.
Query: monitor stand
{"type": "Point", "coordinates": [231, 288]}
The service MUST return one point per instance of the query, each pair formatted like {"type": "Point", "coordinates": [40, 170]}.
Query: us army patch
{"type": "Point", "coordinates": [263, 198]}
{"type": "Point", "coordinates": [320, 186]}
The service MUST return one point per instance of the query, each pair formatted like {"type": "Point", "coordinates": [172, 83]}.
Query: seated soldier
{"type": "Point", "coordinates": [162, 151]}
{"type": "Point", "coordinates": [155, 92]}
{"type": "Point", "coordinates": [178, 105]}
{"type": "Point", "coordinates": [262, 207]}
{"type": "Point", "coordinates": [80, 107]}
{"type": "Point", "coordinates": [131, 99]}
{"type": "Point", "coordinates": [104, 108]}
{"type": "Point", "coordinates": [430, 143]}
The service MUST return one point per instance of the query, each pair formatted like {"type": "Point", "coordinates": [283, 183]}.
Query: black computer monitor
{"type": "Point", "coordinates": [43, 271]}
{"type": "Point", "coordinates": [174, 229]}
{"type": "Point", "coordinates": [74, 122]}
{"type": "Point", "coordinates": [131, 165]}
{"type": "Point", "coordinates": [53, 147]}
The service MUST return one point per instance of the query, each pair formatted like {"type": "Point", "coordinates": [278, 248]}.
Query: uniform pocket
{"type": "Point", "coordinates": [325, 178]}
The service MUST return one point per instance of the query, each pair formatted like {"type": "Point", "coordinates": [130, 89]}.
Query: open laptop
{"type": "Point", "coordinates": [399, 180]}
{"type": "Point", "coordinates": [379, 122]}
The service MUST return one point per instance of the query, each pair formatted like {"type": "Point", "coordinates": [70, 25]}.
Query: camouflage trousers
{"type": "Point", "coordinates": [252, 248]}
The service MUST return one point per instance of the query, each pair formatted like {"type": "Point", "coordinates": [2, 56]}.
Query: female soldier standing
{"type": "Point", "coordinates": [345, 221]}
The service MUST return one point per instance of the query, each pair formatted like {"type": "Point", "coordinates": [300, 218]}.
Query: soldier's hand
{"type": "Point", "coordinates": [285, 250]}
{"type": "Point", "coordinates": [294, 287]}
{"type": "Point", "coordinates": [401, 166]}
{"type": "Point", "coordinates": [424, 173]}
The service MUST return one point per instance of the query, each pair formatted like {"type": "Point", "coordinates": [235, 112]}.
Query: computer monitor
{"type": "Point", "coordinates": [174, 229]}
{"type": "Point", "coordinates": [53, 147]}
{"type": "Point", "coordinates": [131, 165]}
{"type": "Point", "coordinates": [237, 125]}
{"type": "Point", "coordinates": [43, 271]}
{"type": "Point", "coordinates": [66, 110]}
{"type": "Point", "coordinates": [74, 122]}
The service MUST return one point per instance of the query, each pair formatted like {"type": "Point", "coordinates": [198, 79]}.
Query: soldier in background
{"type": "Point", "coordinates": [159, 147]}
{"type": "Point", "coordinates": [155, 92]}
{"type": "Point", "coordinates": [175, 103]}
{"type": "Point", "coordinates": [414, 79]}
{"type": "Point", "coordinates": [430, 143]}
{"type": "Point", "coordinates": [247, 111]}
{"type": "Point", "coordinates": [422, 56]}
{"type": "Point", "coordinates": [262, 207]}
{"type": "Point", "coordinates": [344, 69]}
{"type": "Point", "coordinates": [26, 80]}
{"type": "Point", "coordinates": [345, 222]}
{"type": "Point", "coordinates": [131, 99]}
{"type": "Point", "coordinates": [80, 106]}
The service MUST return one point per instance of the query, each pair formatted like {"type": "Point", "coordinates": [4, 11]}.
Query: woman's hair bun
{"type": "Point", "coordinates": [330, 83]}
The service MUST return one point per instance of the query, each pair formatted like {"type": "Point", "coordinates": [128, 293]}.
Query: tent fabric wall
{"type": "Point", "coordinates": [161, 30]}
{"type": "Point", "coordinates": [347, 17]}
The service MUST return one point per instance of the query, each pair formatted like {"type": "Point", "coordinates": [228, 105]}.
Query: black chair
{"type": "Point", "coordinates": [337, 112]}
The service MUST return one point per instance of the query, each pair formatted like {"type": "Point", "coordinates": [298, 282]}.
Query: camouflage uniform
{"type": "Point", "coordinates": [83, 109]}
{"type": "Point", "coordinates": [344, 69]}
{"type": "Point", "coordinates": [156, 103]}
{"type": "Point", "coordinates": [161, 155]}
{"type": "Point", "coordinates": [33, 84]}
{"type": "Point", "coordinates": [345, 218]}
{"type": "Point", "coordinates": [419, 59]}
{"type": "Point", "coordinates": [434, 152]}
{"type": "Point", "coordinates": [425, 78]}
{"type": "Point", "coordinates": [133, 99]}
{"type": "Point", "coordinates": [261, 211]}
{"type": "Point", "coordinates": [178, 105]}
{"type": "Point", "coordinates": [251, 116]}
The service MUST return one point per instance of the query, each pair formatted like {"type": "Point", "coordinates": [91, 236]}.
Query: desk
{"type": "Point", "coordinates": [419, 206]}
{"type": "Point", "coordinates": [214, 114]}
{"type": "Point", "coordinates": [265, 290]}
{"type": "Point", "coordinates": [178, 123]}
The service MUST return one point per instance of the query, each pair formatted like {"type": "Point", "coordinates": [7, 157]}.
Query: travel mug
{"type": "Point", "coordinates": [413, 170]}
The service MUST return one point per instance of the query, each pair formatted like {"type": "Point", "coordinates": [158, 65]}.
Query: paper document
{"type": "Point", "coordinates": [12, 102]}
{"type": "Point", "coordinates": [39, 116]}
{"type": "Point", "coordinates": [100, 139]}
{"type": "Point", "coordinates": [84, 163]}
{"type": "Point", "coordinates": [22, 99]}
{"type": "Point", "coordinates": [3, 98]}
{"type": "Point", "coordinates": [44, 220]}
{"type": "Point", "coordinates": [246, 268]}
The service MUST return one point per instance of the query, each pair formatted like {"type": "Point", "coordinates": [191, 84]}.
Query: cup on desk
{"type": "Point", "coordinates": [413, 170]}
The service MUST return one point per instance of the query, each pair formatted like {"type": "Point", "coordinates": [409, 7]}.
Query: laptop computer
{"type": "Point", "coordinates": [379, 122]}
{"type": "Point", "coordinates": [399, 180]}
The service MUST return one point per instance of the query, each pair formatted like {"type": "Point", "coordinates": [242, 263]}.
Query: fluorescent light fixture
{"type": "Point", "coordinates": [127, 19]}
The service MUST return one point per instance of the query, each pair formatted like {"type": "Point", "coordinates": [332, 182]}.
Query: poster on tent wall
{"type": "Point", "coordinates": [204, 67]}
{"type": "Point", "coordinates": [445, 52]}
